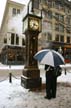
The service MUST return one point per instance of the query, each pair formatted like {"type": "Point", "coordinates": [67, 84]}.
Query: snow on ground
{"type": "Point", "coordinates": [11, 67]}
{"type": "Point", "coordinates": [13, 95]}
{"type": "Point", "coordinates": [20, 67]}
{"type": "Point", "coordinates": [65, 78]}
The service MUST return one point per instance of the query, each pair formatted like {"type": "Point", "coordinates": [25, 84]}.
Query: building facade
{"type": "Point", "coordinates": [11, 29]}
{"type": "Point", "coordinates": [11, 36]}
{"type": "Point", "coordinates": [56, 25]}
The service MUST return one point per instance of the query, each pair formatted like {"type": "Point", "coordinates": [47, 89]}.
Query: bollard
{"type": "Point", "coordinates": [65, 71]}
{"type": "Point", "coordinates": [10, 77]}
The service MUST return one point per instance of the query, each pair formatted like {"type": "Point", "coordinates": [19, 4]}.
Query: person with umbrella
{"type": "Point", "coordinates": [51, 59]}
{"type": "Point", "coordinates": [51, 80]}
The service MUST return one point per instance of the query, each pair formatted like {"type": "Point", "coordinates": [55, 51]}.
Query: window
{"type": "Point", "coordinates": [44, 2]}
{"type": "Point", "coordinates": [46, 26]}
{"type": "Point", "coordinates": [49, 15]}
{"type": "Point", "coordinates": [49, 36]}
{"type": "Point", "coordinates": [61, 28]}
{"type": "Point", "coordinates": [14, 11]}
{"type": "Point", "coordinates": [61, 7]}
{"type": "Point", "coordinates": [61, 38]}
{"type": "Point", "coordinates": [18, 11]}
{"type": "Point", "coordinates": [68, 39]}
{"type": "Point", "coordinates": [61, 18]}
{"type": "Point", "coordinates": [68, 20]}
{"type": "Point", "coordinates": [68, 29]}
{"type": "Point", "coordinates": [57, 16]}
{"type": "Point", "coordinates": [36, 4]}
{"type": "Point", "coordinates": [17, 39]}
{"type": "Point", "coordinates": [23, 42]}
{"type": "Point", "coordinates": [49, 2]}
{"type": "Point", "coordinates": [44, 35]}
{"type": "Point", "coordinates": [12, 38]}
{"type": "Point", "coordinates": [57, 27]}
{"type": "Point", "coordinates": [5, 40]}
{"type": "Point", "coordinates": [57, 5]}
{"type": "Point", "coordinates": [67, 10]}
{"type": "Point", "coordinates": [57, 37]}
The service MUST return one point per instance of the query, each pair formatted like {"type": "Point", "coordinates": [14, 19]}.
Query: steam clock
{"type": "Point", "coordinates": [31, 28]}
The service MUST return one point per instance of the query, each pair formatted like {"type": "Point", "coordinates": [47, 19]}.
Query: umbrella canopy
{"type": "Point", "coordinates": [49, 57]}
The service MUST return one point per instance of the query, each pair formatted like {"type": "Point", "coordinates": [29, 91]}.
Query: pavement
{"type": "Point", "coordinates": [13, 95]}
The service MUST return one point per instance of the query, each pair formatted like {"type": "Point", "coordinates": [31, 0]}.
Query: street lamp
{"type": "Point", "coordinates": [31, 28]}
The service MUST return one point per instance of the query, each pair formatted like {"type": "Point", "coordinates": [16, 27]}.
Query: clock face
{"type": "Point", "coordinates": [34, 24]}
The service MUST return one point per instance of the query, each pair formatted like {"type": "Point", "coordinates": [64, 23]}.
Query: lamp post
{"type": "Point", "coordinates": [32, 27]}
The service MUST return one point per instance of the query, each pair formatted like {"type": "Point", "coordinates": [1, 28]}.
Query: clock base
{"type": "Point", "coordinates": [31, 79]}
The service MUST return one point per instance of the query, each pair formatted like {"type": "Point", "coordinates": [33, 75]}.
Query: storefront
{"type": "Point", "coordinates": [13, 55]}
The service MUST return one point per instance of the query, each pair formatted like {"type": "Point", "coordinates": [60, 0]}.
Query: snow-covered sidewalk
{"type": "Point", "coordinates": [13, 95]}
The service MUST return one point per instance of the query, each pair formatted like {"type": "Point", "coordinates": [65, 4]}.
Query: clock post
{"type": "Point", "coordinates": [31, 74]}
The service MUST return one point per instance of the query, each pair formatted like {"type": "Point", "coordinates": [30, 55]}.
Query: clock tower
{"type": "Point", "coordinates": [31, 28]}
